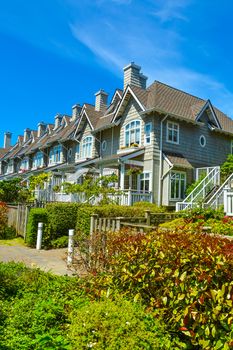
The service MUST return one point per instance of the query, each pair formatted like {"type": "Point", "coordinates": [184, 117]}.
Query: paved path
{"type": "Point", "coordinates": [53, 260]}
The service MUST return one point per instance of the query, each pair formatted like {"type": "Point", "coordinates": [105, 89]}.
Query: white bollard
{"type": "Point", "coordinates": [70, 247]}
{"type": "Point", "coordinates": [39, 235]}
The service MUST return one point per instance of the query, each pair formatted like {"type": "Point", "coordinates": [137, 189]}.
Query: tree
{"type": "Point", "coordinates": [13, 190]}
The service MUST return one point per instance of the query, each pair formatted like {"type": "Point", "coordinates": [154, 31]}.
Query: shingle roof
{"type": "Point", "coordinates": [170, 100]}
{"type": "Point", "coordinates": [178, 160]}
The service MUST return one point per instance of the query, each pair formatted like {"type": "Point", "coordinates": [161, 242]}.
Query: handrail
{"type": "Point", "coordinates": [220, 190]}
{"type": "Point", "coordinates": [213, 172]}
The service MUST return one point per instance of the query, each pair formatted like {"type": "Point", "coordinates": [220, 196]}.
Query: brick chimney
{"type": "Point", "coordinates": [132, 76]}
{"type": "Point", "coordinates": [58, 119]}
{"type": "Point", "coordinates": [7, 139]}
{"type": "Point", "coordinates": [101, 101]}
{"type": "Point", "coordinates": [76, 110]}
{"type": "Point", "coordinates": [41, 128]}
{"type": "Point", "coordinates": [26, 135]}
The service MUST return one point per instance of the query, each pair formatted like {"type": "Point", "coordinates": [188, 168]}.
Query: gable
{"type": "Point", "coordinates": [208, 115]}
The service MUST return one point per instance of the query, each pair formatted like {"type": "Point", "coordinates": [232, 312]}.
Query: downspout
{"type": "Point", "coordinates": [160, 162]}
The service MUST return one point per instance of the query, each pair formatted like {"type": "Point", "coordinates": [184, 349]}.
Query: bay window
{"type": "Point", "coordinates": [145, 182]}
{"type": "Point", "coordinates": [148, 129]}
{"type": "Point", "coordinates": [38, 160]}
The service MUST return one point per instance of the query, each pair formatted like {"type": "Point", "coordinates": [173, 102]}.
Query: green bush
{"type": "Point", "coordinates": [185, 278]}
{"type": "Point", "coordinates": [36, 215]}
{"type": "Point", "coordinates": [122, 325]}
{"type": "Point", "coordinates": [61, 242]}
{"type": "Point", "coordinates": [62, 217]}
{"type": "Point", "coordinates": [110, 211]}
{"type": "Point", "coordinates": [3, 219]}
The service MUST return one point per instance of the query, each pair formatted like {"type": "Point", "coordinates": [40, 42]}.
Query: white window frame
{"type": "Point", "coordinates": [175, 172]}
{"type": "Point", "coordinates": [131, 130]}
{"type": "Point", "coordinates": [85, 145]}
{"type": "Point", "coordinates": [172, 129]}
{"type": "Point", "coordinates": [148, 136]}
{"type": "Point", "coordinates": [38, 160]}
{"type": "Point", "coordinates": [24, 164]}
{"type": "Point", "coordinates": [144, 174]}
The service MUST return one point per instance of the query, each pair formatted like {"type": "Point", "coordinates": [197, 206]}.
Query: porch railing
{"type": "Point", "coordinates": [124, 197]}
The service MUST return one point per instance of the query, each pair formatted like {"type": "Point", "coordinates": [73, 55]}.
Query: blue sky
{"type": "Point", "coordinates": [55, 53]}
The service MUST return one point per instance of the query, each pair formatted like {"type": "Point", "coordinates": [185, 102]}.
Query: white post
{"type": "Point", "coordinates": [225, 201]}
{"type": "Point", "coordinates": [122, 176]}
{"type": "Point", "coordinates": [70, 247]}
{"type": "Point", "coordinates": [39, 235]}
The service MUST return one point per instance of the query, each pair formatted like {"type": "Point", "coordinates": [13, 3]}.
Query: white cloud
{"type": "Point", "coordinates": [171, 9]}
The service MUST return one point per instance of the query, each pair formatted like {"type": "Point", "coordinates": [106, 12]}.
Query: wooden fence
{"type": "Point", "coordinates": [18, 217]}
{"type": "Point", "coordinates": [145, 223]}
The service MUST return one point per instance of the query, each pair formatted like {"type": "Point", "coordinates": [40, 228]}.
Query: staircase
{"type": "Point", "coordinates": [206, 187]}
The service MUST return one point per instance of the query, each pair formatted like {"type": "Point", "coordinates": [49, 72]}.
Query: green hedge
{"type": "Point", "coordinates": [36, 215]}
{"type": "Point", "coordinates": [62, 217]}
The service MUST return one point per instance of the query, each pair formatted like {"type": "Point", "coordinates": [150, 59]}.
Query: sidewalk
{"type": "Point", "coordinates": [53, 261]}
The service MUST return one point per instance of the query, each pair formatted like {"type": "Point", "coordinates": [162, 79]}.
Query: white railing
{"type": "Point", "coordinates": [200, 172]}
{"type": "Point", "coordinates": [228, 201]}
{"type": "Point", "coordinates": [217, 199]}
{"type": "Point", "coordinates": [125, 197]}
{"type": "Point", "coordinates": [200, 191]}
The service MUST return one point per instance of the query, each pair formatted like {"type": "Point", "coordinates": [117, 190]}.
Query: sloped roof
{"type": "Point", "coordinates": [178, 160]}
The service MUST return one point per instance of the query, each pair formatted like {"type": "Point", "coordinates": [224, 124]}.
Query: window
{"type": "Point", "coordinates": [172, 132]}
{"type": "Point", "coordinates": [231, 146]}
{"type": "Point", "coordinates": [38, 160]}
{"type": "Point", "coordinates": [133, 133]}
{"type": "Point", "coordinates": [148, 128]}
{"type": "Point", "coordinates": [55, 154]}
{"type": "Point", "coordinates": [24, 164]}
{"type": "Point", "coordinates": [87, 147]}
{"type": "Point", "coordinates": [177, 185]}
{"type": "Point", "coordinates": [104, 146]}
{"type": "Point", "coordinates": [202, 141]}
{"type": "Point", "coordinates": [145, 182]}
{"type": "Point", "coordinates": [77, 151]}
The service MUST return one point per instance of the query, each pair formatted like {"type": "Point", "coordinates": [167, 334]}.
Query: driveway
{"type": "Point", "coordinates": [53, 261]}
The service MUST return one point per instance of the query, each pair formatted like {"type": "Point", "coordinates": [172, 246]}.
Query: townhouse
{"type": "Point", "coordinates": [156, 139]}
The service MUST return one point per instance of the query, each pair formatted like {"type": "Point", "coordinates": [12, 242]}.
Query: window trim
{"type": "Point", "coordinates": [178, 133]}
{"type": "Point", "coordinates": [150, 181]}
{"type": "Point", "coordinates": [81, 153]}
{"type": "Point", "coordinates": [145, 136]}
{"type": "Point", "coordinates": [140, 132]}
{"type": "Point", "coordinates": [103, 145]}
{"type": "Point", "coordinates": [202, 137]}
{"type": "Point", "coordinates": [185, 182]}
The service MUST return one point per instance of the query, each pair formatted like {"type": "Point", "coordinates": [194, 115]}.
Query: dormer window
{"type": "Point", "coordinates": [55, 154]}
{"type": "Point", "coordinates": [133, 133]}
{"type": "Point", "coordinates": [24, 164]}
{"type": "Point", "coordinates": [38, 160]}
{"type": "Point", "coordinates": [87, 147]}
{"type": "Point", "coordinates": [172, 132]}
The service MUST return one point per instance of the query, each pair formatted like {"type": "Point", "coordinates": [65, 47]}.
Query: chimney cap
{"type": "Point", "coordinates": [132, 65]}
{"type": "Point", "coordinates": [7, 133]}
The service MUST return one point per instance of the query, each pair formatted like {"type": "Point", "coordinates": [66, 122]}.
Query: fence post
{"type": "Point", "coordinates": [39, 235]}
{"type": "Point", "coordinates": [118, 224]}
{"type": "Point", "coordinates": [25, 222]}
{"type": "Point", "coordinates": [130, 197]}
{"type": "Point", "coordinates": [147, 217]}
{"type": "Point", "coordinates": [70, 247]}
